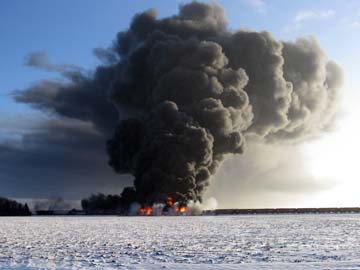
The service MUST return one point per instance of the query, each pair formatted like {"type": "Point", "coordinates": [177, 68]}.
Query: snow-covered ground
{"type": "Point", "coordinates": [200, 242]}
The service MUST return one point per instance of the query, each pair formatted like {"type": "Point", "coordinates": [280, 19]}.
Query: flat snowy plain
{"type": "Point", "coordinates": [200, 242]}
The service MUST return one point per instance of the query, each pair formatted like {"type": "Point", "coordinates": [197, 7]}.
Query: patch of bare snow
{"type": "Point", "coordinates": [178, 242]}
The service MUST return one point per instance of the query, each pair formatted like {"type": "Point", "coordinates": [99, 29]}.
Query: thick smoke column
{"type": "Point", "coordinates": [189, 91]}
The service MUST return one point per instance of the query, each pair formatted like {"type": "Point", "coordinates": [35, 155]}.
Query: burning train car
{"type": "Point", "coordinates": [168, 208]}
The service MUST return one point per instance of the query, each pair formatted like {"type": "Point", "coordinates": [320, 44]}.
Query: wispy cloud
{"type": "Point", "coordinates": [258, 5]}
{"type": "Point", "coordinates": [350, 23]}
{"type": "Point", "coordinates": [307, 15]}
{"type": "Point", "coordinates": [303, 17]}
{"type": "Point", "coordinates": [355, 24]}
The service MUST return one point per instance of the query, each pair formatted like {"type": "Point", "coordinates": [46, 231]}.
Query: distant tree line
{"type": "Point", "coordinates": [13, 208]}
{"type": "Point", "coordinates": [109, 204]}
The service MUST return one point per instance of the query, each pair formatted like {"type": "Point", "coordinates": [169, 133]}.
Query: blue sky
{"type": "Point", "coordinates": [68, 31]}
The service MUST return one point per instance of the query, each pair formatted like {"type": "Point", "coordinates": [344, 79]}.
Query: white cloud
{"type": "Point", "coordinates": [350, 23]}
{"type": "Point", "coordinates": [305, 16]}
{"type": "Point", "coordinates": [258, 5]}
{"type": "Point", "coordinates": [355, 24]}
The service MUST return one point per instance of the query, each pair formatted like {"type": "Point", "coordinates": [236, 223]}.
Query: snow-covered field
{"type": "Point", "coordinates": [200, 242]}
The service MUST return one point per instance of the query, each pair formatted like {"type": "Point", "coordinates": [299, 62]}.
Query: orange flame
{"type": "Point", "coordinates": [148, 211]}
{"type": "Point", "coordinates": [145, 210]}
{"type": "Point", "coordinates": [169, 201]}
{"type": "Point", "coordinates": [181, 209]}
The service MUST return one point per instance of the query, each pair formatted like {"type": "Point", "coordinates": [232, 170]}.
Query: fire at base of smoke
{"type": "Point", "coordinates": [111, 204]}
{"type": "Point", "coordinates": [173, 209]}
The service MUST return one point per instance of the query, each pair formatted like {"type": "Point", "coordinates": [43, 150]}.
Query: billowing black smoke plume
{"type": "Point", "coordinates": [192, 91]}
{"type": "Point", "coordinates": [188, 92]}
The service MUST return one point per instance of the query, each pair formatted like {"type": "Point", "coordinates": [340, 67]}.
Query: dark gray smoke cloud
{"type": "Point", "coordinates": [63, 154]}
{"type": "Point", "coordinates": [82, 96]}
{"type": "Point", "coordinates": [188, 92]}
{"type": "Point", "coordinates": [41, 60]}
{"type": "Point", "coordinates": [57, 157]}
{"type": "Point", "coordinates": [195, 90]}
